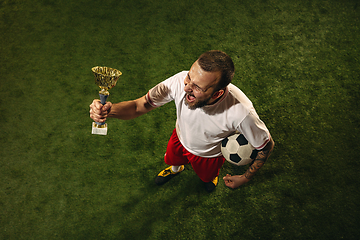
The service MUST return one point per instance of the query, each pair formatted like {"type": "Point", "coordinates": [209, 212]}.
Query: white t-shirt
{"type": "Point", "coordinates": [201, 130]}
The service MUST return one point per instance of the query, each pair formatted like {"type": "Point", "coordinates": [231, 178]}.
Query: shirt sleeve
{"type": "Point", "coordinates": [158, 95]}
{"type": "Point", "coordinates": [165, 91]}
{"type": "Point", "coordinates": [255, 130]}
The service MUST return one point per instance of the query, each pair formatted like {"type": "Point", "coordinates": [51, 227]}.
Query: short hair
{"type": "Point", "coordinates": [218, 61]}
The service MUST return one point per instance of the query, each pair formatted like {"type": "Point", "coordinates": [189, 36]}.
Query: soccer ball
{"type": "Point", "coordinates": [236, 149]}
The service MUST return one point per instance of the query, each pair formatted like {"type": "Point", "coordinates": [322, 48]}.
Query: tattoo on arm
{"type": "Point", "coordinates": [259, 161]}
{"type": "Point", "coordinates": [257, 164]}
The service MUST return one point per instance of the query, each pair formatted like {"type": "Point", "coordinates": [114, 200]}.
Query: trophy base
{"type": "Point", "coordinates": [99, 129]}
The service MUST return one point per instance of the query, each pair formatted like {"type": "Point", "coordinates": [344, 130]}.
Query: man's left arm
{"type": "Point", "coordinates": [238, 180]}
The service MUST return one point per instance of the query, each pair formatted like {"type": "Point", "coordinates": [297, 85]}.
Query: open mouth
{"type": "Point", "coordinates": [190, 98]}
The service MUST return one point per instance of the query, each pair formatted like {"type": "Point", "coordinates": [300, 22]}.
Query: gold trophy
{"type": "Point", "coordinates": [106, 79]}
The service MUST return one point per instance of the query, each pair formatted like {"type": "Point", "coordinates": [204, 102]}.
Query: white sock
{"type": "Point", "coordinates": [175, 168]}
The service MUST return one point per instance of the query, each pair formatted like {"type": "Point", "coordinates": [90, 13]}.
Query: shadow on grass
{"type": "Point", "coordinates": [153, 209]}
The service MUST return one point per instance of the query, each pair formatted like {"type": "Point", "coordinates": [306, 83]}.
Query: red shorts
{"type": "Point", "coordinates": [206, 168]}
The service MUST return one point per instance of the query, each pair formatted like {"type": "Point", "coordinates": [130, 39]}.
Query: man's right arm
{"type": "Point", "coordinates": [122, 110]}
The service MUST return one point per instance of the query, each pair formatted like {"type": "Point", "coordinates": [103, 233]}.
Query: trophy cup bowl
{"type": "Point", "coordinates": [105, 79]}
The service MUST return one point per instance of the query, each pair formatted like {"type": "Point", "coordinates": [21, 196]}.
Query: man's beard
{"type": "Point", "coordinates": [197, 104]}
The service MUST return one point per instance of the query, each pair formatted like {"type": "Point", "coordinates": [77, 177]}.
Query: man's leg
{"type": "Point", "coordinates": [174, 157]}
{"type": "Point", "coordinates": [207, 169]}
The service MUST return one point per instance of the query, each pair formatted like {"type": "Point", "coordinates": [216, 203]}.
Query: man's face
{"type": "Point", "coordinates": [199, 87]}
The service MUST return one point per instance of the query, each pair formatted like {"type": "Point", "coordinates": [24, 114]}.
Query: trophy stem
{"type": "Point", "coordinates": [103, 98]}
{"type": "Point", "coordinates": [100, 128]}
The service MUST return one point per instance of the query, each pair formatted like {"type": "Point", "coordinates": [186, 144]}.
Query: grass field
{"type": "Point", "coordinates": [298, 61]}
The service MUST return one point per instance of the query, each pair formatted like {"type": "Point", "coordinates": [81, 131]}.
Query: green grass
{"type": "Point", "coordinates": [298, 61]}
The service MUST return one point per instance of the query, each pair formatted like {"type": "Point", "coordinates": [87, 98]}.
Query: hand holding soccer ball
{"type": "Point", "coordinates": [238, 151]}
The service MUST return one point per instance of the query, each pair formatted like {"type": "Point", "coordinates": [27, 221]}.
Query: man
{"type": "Point", "coordinates": [209, 108]}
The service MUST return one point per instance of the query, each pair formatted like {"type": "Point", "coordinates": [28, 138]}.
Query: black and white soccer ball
{"type": "Point", "coordinates": [237, 150]}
